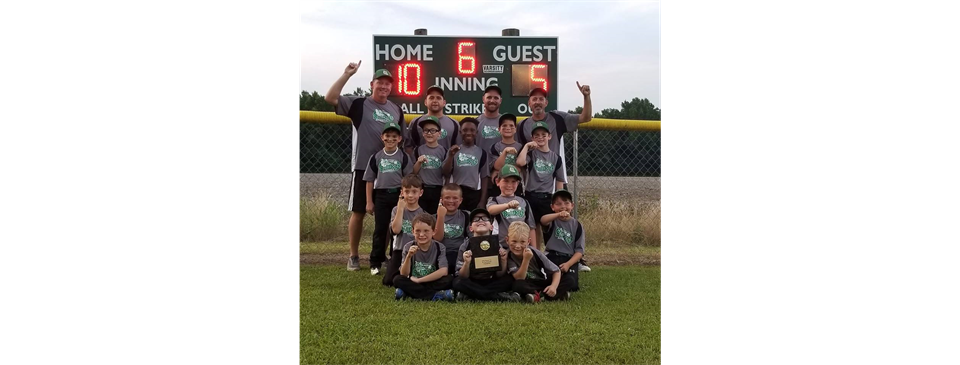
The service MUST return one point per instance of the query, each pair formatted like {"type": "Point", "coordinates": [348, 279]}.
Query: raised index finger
{"type": "Point", "coordinates": [361, 61]}
{"type": "Point", "coordinates": [578, 85]}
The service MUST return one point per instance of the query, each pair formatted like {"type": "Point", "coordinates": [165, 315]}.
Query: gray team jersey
{"type": "Point", "coordinates": [543, 171]}
{"type": "Point", "coordinates": [431, 171]}
{"type": "Point", "coordinates": [406, 226]}
{"type": "Point", "coordinates": [503, 220]}
{"type": "Point", "coordinates": [366, 132]}
{"type": "Point", "coordinates": [469, 167]}
{"type": "Point", "coordinates": [566, 237]}
{"type": "Point", "coordinates": [448, 130]}
{"type": "Point", "coordinates": [386, 171]}
{"type": "Point", "coordinates": [425, 262]}
{"type": "Point", "coordinates": [454, 231]}
{"type": "Point", "coordinates": [498, 148]}
{"type": "Point", "coordinates": [488, 131]}
{"type": "Point", "coordinates": [570, 122]}
{"type": "Point", "coordinates": [534, 271]}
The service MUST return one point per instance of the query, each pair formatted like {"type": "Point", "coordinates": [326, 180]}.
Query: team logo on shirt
{"type": "Point", "coordinates": [512, 213]}
{"type": "Point", "coordinates": [452, 230]}
{"type": "Point", "coordinates": [443, 133]}
{"type": "Point", "coordinates": [421, 269]}
{"type": "Point", "coordinates": [563, 235]}
{"type": "Point", "coordinates": [406, 227]}
{"type": "Point", "coordinates": [382, 116]}
{"type": "Point", "coordinates": [432, 162]}
{"type": "Point", "coordinates": [489, 131]}
{"type": "Point", "coordinates": [464, 159]}
{"type": "Point", "coordinates": [543, 167]}
{"type": "Point", "coordinates": [389, 165]}
{"type": "Point", "coordinates": [511, 159]}
{"type": "Point", "coordinates": [532, 274]}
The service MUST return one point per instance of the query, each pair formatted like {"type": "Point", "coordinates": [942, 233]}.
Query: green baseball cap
{"type": "Point", "coordinates": [391, 125]}
{"type": "Point", "coordinates": [429, 119]}
{"type": "Point", "coordinates": [510, 170]}
{"type": "Point", "coordinates": [383, 73]}
{"type": "Point", "coordinates": [540, 124]}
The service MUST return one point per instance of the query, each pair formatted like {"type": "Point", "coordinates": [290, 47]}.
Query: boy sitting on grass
{"type": "Point", "coordinates": [482, 286]}
{"type": "Point", "coordinates": [565, 238]}
{"type": "Point", "coordinates": [423, 273]}
{"type": "Point", "coordinates": [508, 208]}
{"type": "Point", "coordinates": [531, 269]}
{"type": "Point", "coordinates": [452, 223]}
{"type": "Point", "coordinates": [401, 223]}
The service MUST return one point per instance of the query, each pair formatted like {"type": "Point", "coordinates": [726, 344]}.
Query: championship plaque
{"type": "Point", "coordinates": [486, 254]}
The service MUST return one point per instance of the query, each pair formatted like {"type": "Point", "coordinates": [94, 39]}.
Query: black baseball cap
{"type": "Point", "coordinates": [508, 116]}
{"type": "Point", "coordinates": [562, 193]}
{"type": "Point", "coordinates": [434, 87]}
{"type": "Point", "coordinates": [478, 211]}
{"type": "Point", "coordinates": [538, 90]}
{"type": "Point", "coordinates": [493, 87]}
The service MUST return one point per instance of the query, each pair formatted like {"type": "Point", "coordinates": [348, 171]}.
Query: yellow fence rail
{"type": "Point", "coordinates": [596, 123]}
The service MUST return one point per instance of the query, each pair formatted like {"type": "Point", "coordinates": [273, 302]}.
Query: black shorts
{"type": "Point", "coordinates": [358, 193]}
{"type": "Point", "coordinates": [471, 198]}
{"type": "Point", "coordinates": [539, 204]}
{"type": "Point", "coordinates": [430, 198]}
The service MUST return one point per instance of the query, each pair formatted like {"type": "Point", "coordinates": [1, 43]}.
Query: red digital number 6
{"type": "Point", "coordinates": [466, 53]}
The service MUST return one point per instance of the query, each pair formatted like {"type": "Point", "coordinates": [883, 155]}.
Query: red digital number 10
{"type": "Point", "coordinates": [406, 86]}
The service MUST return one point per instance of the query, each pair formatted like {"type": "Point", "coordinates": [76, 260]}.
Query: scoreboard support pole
{"type": "Point", "coordinates": [576, 187]}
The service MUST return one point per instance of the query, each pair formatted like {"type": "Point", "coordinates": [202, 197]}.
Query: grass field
{"type": "Point", "coordinates": [350, 318]}
{"type": "Point", "coordinates": [600, 253]}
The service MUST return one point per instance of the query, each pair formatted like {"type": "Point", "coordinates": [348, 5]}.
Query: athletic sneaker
{"type": "Point", "coordinates": [532, 298]}
{"type": "Point", "coordinates": [443, 295]}
{"type": "Point", "coordinates": [584, 268]}
{"type": "Point", "coordinates": [399, 294]}
{"type": "Point", "coordinates": [509, 296]}
{"type": "Point", "coordinates": [568, 295]}
{"type": "Point", "coordinates": [375, 270]}
{"type": "Point", "coordinates": [353, 263]}
{"type": "Point", "coordinates": [461, 296]}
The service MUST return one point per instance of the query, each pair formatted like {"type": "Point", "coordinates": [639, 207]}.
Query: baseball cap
{"type": "Point", "coordinates": [540, 124]}
{"type": "Point", "coordinates": [563, 193]}
{"type": "Point", "coordinates": [429, 119]}
{"type": "Point", "coordinates": [383, 73]}
{"type": "Point", "coordinates": [508, 116]}
{"type": "Point", "coordinates": [493, 87]}
{"type": "Point", "coordinates": [538, 90]}
{"type": "Point", "coordinates": [478, 211]}
{"type": "Point", "coordinates": [510, 170]}
{"type": "Point", "coordinates": [434, 87]}
{"type": "Point", "coordinates": [391, 125]}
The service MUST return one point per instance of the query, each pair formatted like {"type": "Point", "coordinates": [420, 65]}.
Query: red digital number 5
{"type": "Point", "coordinates": [540, 77]}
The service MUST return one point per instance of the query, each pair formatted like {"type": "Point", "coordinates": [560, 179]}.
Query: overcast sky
{"type": "Point", "coordinates": [613, 47]}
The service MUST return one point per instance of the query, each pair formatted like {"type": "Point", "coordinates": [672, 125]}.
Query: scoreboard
{"type": "Point", "coordinates": [464, 66]}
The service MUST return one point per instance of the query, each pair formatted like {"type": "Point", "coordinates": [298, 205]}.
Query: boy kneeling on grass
{"type": "Point", "coordinates": [423, 273]}
{"type": "Point", "coordinates": [565, 238]}
{"type": "Point", "coordinates": [530, 269]}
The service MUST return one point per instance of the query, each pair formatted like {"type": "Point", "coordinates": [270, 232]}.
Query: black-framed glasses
{"type": "Point", "coordinates": [480, 219]}
{"type": "Point", "coordinates": [430, 131]}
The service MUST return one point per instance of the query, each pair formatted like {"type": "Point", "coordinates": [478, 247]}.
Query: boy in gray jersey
{"type": "Point", "coordinates": [535, 277]}
{"type": "Point", "coordinates": [467, 166]}
{"type": "Point", "coordinates": [449, 129]}
{"type": "Point", "coordinates": [565, 238]}
{"type": "Point", "coordinates": [384, 173]}
{"type": "Point", "coordinates": [452, 223]}
{"type": "Point", "coordinates": [508, 208]}
{"type": "Point", "coordinates": [423, 273]}
{"type": "Point", "coordinates": [482, 286]}
{"type": "Point", "coordinates": [559, 122]}
{"type": "Point", "coordinates": [544, 173]}
{"type": "Point", "coordinates": [401, 223]}
{"type": "Point", "coordinates": [429, 160]}
{"type": "Point", "coordinates": [505, 151]}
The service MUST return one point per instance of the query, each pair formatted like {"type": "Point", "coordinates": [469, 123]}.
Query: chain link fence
{"type": "Point", "coordinates": [614, 174]}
